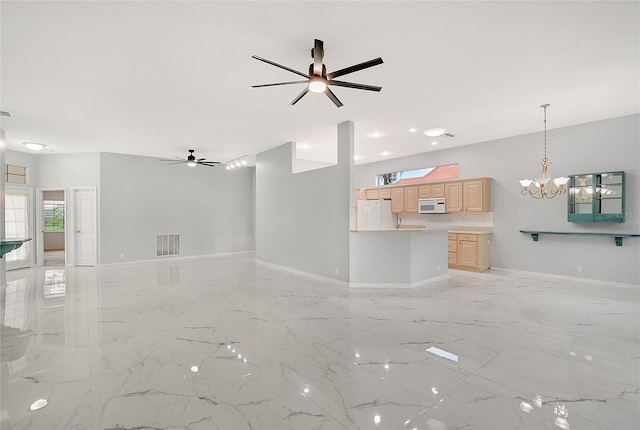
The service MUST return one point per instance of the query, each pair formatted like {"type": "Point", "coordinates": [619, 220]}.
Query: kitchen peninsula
{"type": "Point", "coordinates": [398, 257]}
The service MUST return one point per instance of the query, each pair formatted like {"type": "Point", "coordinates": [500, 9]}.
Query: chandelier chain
{"type": "Point", "coordinates": [544, 106]}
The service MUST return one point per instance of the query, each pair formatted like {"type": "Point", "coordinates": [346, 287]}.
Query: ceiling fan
{"type": "Point", "coordinates": [192, 161]}
{"type": "Point", "coordinates": [318, 80]}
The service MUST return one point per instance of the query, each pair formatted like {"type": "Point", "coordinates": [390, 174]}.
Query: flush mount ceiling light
{"type": "Point", "coordinates": [537, 188]}
{"type": "Point", "coordinates": [318, 80]}
{"type": "Point", "coordinates": [435, 132]}
{"type": "Point", "coordinates": [412, 130]}
{"type": "Point", "coordinates": [376, 134]}
{"type": "Point", "coordinates": [434, 143]}
{"type": "Point", "coordinates": [34, 146]}
{"type": "Point", "coordinates": [385, 153]}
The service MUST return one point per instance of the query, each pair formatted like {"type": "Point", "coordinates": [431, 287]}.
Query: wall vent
{"type": "Point", "coordinates": [167, 244]}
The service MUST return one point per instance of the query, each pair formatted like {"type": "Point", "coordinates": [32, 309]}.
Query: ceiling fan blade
{"type": "Point", "coordinates": [302, 94]}
{"type": "Point", "coordinates": [355, 68]}
{"type": "Point", "coordinates": [210, 162]}
{"type": "Point", "coordinates": [279, 65]}
{"type": "Point", "coordinates": [318, 54]}
{"type": "Point", "coordinates": [200, 159]}
{"type": "Point", "coordinates": [170, 164]}
{"type": "Point", "coordinates": [207, 164]}
{"type": "Point", "coordinates": [333, 97]}
{"type": "Point", "coordinates": [279, 83]}
{"type": "Point", "coordinates": [352, 85]}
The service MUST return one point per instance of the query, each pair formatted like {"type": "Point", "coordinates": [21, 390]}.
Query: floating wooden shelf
{"type": "Point", "coordinates": [616, 236]}
{"type": "Point", "coordinates": [6, 246]}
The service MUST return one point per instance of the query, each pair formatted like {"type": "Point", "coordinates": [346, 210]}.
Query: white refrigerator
{"type": "Point", "coordinates": [375, 215]}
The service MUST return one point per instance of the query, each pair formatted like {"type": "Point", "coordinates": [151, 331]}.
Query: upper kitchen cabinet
{"type": "Point", "coordinates": [372, 194]}
{"type": "Point", "coordinates": [411, 199]}
{"type": "Point", "coordinates": [476, 195]}
{"type": "Point", "coordinates": [397, 200]}
{"type": "Point", "coordinates": [437, 190]}
{"type": "Point", "coordinates": [472, 195]}
{"type": "Point", "coordinates": [424, 191]}
{"type": "Point", "coordinates": [404, 199]}
{"type": "Point", "coordinates": [597, 197]}
{"type": "Point", "coordinates": [453, 197]}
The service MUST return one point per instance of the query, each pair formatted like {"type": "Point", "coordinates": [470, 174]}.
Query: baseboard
{"type": "Point", "coordinates": [351, 284]}
{"type": "Point", "coordinates": [175, 258]}
{"type": "Point", "coordinates": [399, 285]}
{"type": "Point", "coordinates": [302, 273]}
{"type": "Point", "coordinates": [566, 278]}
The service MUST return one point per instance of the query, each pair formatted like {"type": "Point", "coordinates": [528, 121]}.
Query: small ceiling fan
{"type": "Point", "coordinates": [192, 161]}
{"type": "Point", "coordinates": [318, 80]}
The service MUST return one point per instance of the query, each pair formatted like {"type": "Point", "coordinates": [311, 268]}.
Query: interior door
{"type": "Point", "coordinates": [85, 227]}
{"type": "Point", "coordinates": [18, 220]}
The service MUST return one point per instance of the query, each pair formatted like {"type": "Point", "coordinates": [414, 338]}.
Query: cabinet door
{"type": "Point", "coordinates": [384, 193]}
{"type": "Point", "coordinates": [437, 190]}
{"type": "Point", "coordinates": [453, 196]}
{"type": "Point", "coordinates": [397, 200]}
{"type": "Point", "coordinates": [372, 194]}
{"type": "Point", "coordinates": [453, 259]}
{"type": "Point", "coordinates": [468, 254]}
{"type": "Point", "coordinates": [472, 196]}
{"type": "Point", "coordinates": [424, 191]}
{"type": "Point", "coordinates": [411, 199]}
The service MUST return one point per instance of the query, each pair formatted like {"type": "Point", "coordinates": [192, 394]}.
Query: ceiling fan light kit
{"type": "Point", "coordinates": [192, 161]}
{"type": "Point", "coordinates": [318, 80]}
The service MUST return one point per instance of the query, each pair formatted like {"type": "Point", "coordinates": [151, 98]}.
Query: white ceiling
{"type": "Point", "coordinates": [157, 78]}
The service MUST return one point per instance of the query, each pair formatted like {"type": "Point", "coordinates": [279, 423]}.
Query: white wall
{"type": "Point", "coordinates": [141, 197]}
{"type": "Point", "coordinates": [302, 220]}
{"type": "Point", "coordinates": [600, 146]}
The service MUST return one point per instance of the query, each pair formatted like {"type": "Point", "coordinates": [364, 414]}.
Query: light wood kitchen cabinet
{"type": "Point", "coordinates": [411, 199]}
{"type": "Point", "coordinates": [424, 191]}
{"type": "Point", "coordinates": [437, 190]}
{"type": "Point", "coordinates": [359, 194]}
{"type": "Point", "coordinates": [453, 197]}
{"type": "Point", "coordinates": [384, 193]}
{"type": "Point", "coordinates": [469, 251]}
{"type": "Point", "coordinates": [476, 195]}
{"type": "Point", "coordinates": [372, 194]}
{"type": "Point", "coordinates": [397, 200]}
{"type": "Point", "coordinates": [404, 199]}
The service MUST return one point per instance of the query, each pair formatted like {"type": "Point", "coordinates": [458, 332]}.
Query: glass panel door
{"type": "Point", "coordinates": [18, 226]}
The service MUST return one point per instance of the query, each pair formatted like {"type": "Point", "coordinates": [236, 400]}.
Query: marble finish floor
{"type": "Point", "coordinates": [226, 343]}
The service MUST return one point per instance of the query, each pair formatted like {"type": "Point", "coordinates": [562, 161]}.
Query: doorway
{"type": "Point", "coordinates": [53, 216]}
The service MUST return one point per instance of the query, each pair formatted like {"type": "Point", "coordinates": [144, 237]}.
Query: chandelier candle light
{"type": "Point", "coordinates": [538, 188]}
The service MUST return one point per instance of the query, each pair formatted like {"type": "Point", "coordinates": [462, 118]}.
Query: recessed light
{"type": "Point", "coordinates": [385, 153]}
{"type": "Point", "coordinates": [356, 157]}
{"type": "Point", "coordinates": [38, 404]}
{"type": "Point", "coordinates": [434, 143]}
{"type": "Point", "coordinates": [376, 134]}
{"type": "Point", "coordinates": [435, 132]}
{"type": "Point", "coordinates": [34, 146]}
{"type": "Point", "coordinates": [304, 146]}
{"type": "Point", "coordinates": [412, 130]}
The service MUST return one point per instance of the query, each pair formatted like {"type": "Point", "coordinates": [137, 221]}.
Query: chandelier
{"type": "Point", "coordinates": [537, 188]}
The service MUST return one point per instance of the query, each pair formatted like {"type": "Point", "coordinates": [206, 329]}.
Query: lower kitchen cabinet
{"type": "Point", "coordinates": [469, 251]}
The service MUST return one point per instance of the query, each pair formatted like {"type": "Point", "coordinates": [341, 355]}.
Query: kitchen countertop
{"type": "Point", "coordinates": [395, 230]}
{"type": "Point", "coordinates": [471, 230]}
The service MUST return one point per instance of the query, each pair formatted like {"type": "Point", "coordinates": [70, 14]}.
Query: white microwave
{"type": "Point", "coordinates": [431, 206]}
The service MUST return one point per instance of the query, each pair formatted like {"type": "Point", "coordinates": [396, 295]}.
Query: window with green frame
{"type": "Point", "coordinates": [53, 216]}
